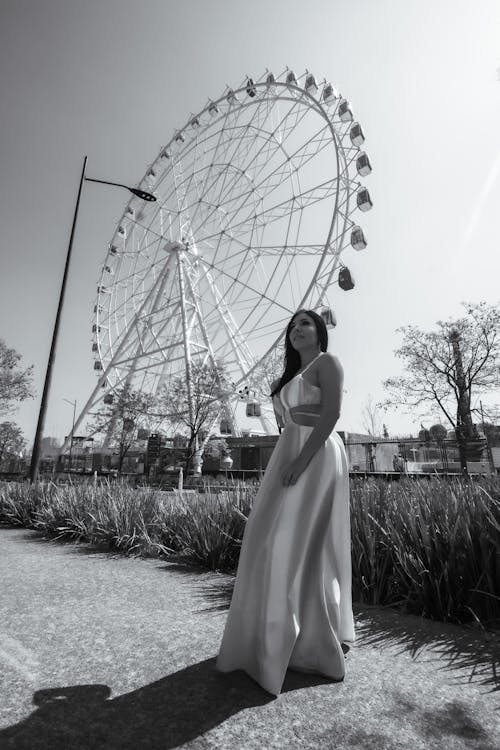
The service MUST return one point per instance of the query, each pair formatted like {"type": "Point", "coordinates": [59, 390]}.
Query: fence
{"type": "Point", "coordinates": [412, 456]}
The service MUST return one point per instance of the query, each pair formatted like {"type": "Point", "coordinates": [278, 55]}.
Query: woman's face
{"type": "Point", "coordinates": [302, 332]}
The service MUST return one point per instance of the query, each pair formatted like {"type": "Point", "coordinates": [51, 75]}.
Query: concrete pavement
{"type": "Point", "coordinates": [103, 651]}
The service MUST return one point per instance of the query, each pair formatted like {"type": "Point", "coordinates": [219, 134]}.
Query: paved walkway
{"type": "Point", "coordinates": [104, 652]}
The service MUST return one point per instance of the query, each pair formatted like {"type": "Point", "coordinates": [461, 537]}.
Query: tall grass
{"type": "Point", "coordinates": [201, 529]}
{"type": "Point", "coordinates": [431, 548]}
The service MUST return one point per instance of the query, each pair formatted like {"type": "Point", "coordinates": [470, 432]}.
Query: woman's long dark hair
{"type": "Point", "coordinates": [292, 357]}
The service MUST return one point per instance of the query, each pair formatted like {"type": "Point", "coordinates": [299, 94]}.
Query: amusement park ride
{"type": "Point", "coordinates": [254, 199]}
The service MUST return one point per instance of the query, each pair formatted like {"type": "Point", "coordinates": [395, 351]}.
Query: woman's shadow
{"type": "Point", "coordinates": [165, 714]}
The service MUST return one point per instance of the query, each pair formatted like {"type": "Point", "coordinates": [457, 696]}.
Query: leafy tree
{"type": "Point", "coordinates": [119, 421]}
{"type": "Point", "coordinates": [12, 441]}
{"type": "Point", "coordinates": [15, 383]}
{"type": "Point", "coordinates": [207, 393]}
{"type": "Point", "coordinates": [450, 367]}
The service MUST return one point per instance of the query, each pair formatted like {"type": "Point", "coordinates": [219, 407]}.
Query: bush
{"type": "Point", "coordinates": [429, 547]}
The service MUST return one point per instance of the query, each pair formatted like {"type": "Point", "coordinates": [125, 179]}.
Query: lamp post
{"type": "Point", "coordinates": [73, 404]}
{"type": "Point", "coordinates": [35, 458]}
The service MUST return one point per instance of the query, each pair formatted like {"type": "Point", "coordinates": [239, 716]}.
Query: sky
{"type": "Point", "coordinates": [113, 80]}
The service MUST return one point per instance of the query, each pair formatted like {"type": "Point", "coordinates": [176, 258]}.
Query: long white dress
{"type": "Point", "coordinates": [292, 601]}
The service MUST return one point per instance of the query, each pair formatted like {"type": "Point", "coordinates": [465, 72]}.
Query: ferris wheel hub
{"type": "Point", "coordinates": [174, 247]}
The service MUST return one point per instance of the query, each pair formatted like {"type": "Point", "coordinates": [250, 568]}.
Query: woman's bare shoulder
{"type": "Point", "coordinates": [329, 364]}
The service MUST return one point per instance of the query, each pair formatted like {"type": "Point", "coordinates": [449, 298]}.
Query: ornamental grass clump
{"type": "Point", "coordinates": [198, 529]}
{"type": "Point", "coordinates": [206, 529]}
{"type": "Point", "coordinates": [18, 503]}
{"type": "Point", "coordinates": [113, 516]}
{"type": "Point", "coordinates": [429, 547]}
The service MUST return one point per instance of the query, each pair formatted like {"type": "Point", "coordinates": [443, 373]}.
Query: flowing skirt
{"type": "Point", "coordinates": [292, 601]}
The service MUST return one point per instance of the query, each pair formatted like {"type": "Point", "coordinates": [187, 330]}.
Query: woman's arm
{"type": "Point", "coordinates": [331, 378]}
{"type": "Point", "coordinates": [278, 415]}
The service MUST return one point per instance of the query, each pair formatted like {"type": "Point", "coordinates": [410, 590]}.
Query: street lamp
{"type": "Point", "coordinates": [73, 404]}
{"type": "Point", "coordinates": [35, 458]}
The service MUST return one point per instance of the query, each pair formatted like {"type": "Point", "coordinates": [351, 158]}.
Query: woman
{"type": "Point", "coordinates": [292, 605]}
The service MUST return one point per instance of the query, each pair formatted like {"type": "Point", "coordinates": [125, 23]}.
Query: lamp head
{"type": "Point", "coordinates": [142, 194]}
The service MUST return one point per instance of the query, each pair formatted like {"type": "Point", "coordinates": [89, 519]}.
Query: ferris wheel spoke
{"type": "Point", "coordinates": [142, 318]}
{"type": "Point", "coordinates": [246, 166]}
{"type": "Point", "coordinates": [236, 269]}
{"type": "Point", "coordinates": [282, 209]}
{"type": "Point", "coordinates": [258, 164]}
{"type": "Point", "coordinates": [226, 197]}
{"type": "Point", "coordinates": [235, 281]}
{"type": "Point", "coordinates": [257, 126]}
{"type": "Point", "coordinates": [225, 139]}
{"type": "Point", "coordinates": [274, 179]}
{"type": "Point", "coordinates": [254, 125]}
{"type": "Point", "coordinates": [135, 299]}
{"type": "Point", "coordinates": [280, 173]}
{"type": "Point", "coordinates": [222, 298]}
{"type": "Point", "coordinates": [236, 340]}
{"type": "Point", "coordinates": [145, 363]}
{"type": "Point", "coordinates": [156, 330]}
{"type": "Point", "coordinates": [197, 204]}
{"type": "Point", "coordinates": [306, 249]}
{"type": "Point", "coordinates": [214, 158]}
{"type": "Point", "coordinates": [264, 309]}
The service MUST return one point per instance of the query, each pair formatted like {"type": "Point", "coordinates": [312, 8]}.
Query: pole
{"type": "Point", "coordinates": [73, 404]}
{"type": "Point", "coordinates": [35, 458]}
{"type": "Point", "coordinates": [488, 446]}
{"type": "Point", "coordinates": [464, 420]}
{"type": "Point", "coordinates": [72, 437]}
{"type": "Point", "coordinates": [187, 350]}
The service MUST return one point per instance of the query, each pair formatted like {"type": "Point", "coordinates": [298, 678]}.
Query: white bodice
{"type": "Point", "coordinates": [297, 392]}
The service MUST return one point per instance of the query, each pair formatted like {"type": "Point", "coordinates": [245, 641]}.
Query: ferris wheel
{"type": "Point", "coordinates": [256, 194]}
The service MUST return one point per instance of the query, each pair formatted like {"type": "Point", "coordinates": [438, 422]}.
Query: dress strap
{"type": "Point", "coordinates": [310, 363]}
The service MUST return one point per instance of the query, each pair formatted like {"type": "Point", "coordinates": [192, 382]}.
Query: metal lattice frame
{"type": "Point", "coordinates": [254, 201]}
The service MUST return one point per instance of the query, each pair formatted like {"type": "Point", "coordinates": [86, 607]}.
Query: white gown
{"type": "Point", "coordinates": [292, 601]}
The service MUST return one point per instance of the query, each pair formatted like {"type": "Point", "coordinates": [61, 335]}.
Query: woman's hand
{"type": "Point", "coordinates": [293, 471]}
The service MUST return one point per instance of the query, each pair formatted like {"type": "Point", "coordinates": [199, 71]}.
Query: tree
{"type": "Point", "coordinates": [207, 387]}
{"type": "Point", "coordinates": [119, 421]}
{"type": "Point", "coordinates": [450, 367]}
{"type": "Point", "coordinates": [15, 383]}
{"type": "Point", "coordinates": [12, 441]}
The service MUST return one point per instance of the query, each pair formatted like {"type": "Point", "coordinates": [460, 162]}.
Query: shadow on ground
{"type": "Point", "coordinates": [460, 647]}
{"type": "Point", "coordinates": [165, 714]}
{"type": "Point", "coordinates": [438, 727]}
